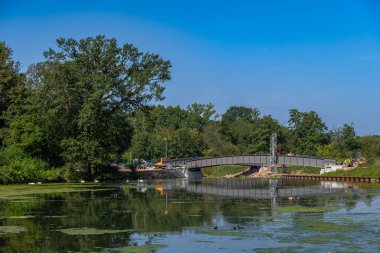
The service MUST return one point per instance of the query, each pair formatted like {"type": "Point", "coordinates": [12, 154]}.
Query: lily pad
{"type": "Point", "coordinates": [92, 231]}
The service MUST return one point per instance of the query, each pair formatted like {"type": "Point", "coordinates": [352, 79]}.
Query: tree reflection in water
{"type": "Point", "coordinates": [155, 209]}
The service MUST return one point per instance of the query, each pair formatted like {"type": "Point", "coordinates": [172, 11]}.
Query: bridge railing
{"type": "Point", "coordinates": [257, 160]}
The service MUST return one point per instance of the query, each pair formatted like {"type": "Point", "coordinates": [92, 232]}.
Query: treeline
{"type": "Point", "coordinates": [89, 105]}
{"type": "Point", "coordinates": [199, 131]}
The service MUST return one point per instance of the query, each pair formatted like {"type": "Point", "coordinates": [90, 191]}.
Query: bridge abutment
{"type": "Point", "coordinates": [194, 174]}
{"type": "Point", "coordinates": [190, 174]}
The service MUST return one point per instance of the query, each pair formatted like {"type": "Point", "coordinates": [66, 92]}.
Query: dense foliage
{"type": "Point", "coordinates": [89, 105]}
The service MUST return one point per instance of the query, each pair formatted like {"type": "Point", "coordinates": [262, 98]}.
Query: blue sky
{"type": "Point", "coordinates": [273, 55]}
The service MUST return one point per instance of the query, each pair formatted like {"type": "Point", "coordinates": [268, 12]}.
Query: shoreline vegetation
{"type": "Point", "coordinates": [372, 172]}
{"type": "Point", "coordinates": [234, 171]}
{"type": "Point", "coordinates": [92, 105]}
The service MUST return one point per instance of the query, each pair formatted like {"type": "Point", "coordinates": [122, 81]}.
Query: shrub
{"type": "Point", "coordinates": [17, 167]}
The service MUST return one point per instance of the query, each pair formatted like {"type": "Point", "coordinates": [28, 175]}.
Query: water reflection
{"type": "Point", "coordinates": [179, 211]}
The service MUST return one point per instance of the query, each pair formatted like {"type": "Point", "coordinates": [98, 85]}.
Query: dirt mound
{"type": "Point", "coordinates": [262, 173]}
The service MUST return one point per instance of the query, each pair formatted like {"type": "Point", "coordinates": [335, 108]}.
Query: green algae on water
{"type": "Point", "coordinates": [306, 209]}
{"type": "Point", "coordinates": [11, 229]}
{"type": "Point", "coordinates": [18, 217]}
{"type": "Point", "coordinates": [223, 233]}
{"type": "Point", "coordinates": [147, 186]}
{"type": "Point", "coordinates": [55, 216]}
{"type": "Point", "coordinates": [92, 231]}
{"type": "Point", "coordinates": [325, 226]}
{"type": "Point", "coordinates": [18, 192]}
{"type": "Point", "coordinates": [135, 249]}
{"type": "Point", "coordinates": [285, 249]}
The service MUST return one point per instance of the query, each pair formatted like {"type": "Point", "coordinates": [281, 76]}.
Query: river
{"type": "Point", "coordinates": [210, 215]}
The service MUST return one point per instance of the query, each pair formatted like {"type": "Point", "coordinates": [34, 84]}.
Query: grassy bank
{"type": "Point", "coordinates": [372, 171]}
{"type": "Point", "coordinates": [299, 170]}
{"type": "Point", "coordinates": [358, 172]}
{"type": "Point", "coordinates": [220, 171]}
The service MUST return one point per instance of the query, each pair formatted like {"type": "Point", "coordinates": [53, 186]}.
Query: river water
{"type": "Point", "coordinates": [211, 215]}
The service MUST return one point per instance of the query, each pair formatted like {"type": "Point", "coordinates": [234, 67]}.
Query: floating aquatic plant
{"type": "Point", "coordinates": [92, 231]}
{"type": "Point", "coordinates": [11, 229]}
{"type": "Point", "coordinates": [135, 249]}
{"type": "Point", "coordinates": [306, 209]}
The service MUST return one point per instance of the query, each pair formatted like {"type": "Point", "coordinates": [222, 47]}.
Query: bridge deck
{"type": "Point", "coordinates": [252, 160]}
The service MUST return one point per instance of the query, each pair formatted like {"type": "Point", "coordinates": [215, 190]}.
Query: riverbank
{"type": "Point", "coordinates": [331, 178]}
{"type": "Point", "coordinates": [230, 171]}
{"type": "Point", "coordinates": [371, 172]}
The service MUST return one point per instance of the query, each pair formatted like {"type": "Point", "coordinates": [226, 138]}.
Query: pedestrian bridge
{"type": "Point", "coordinates": [194, 164]}
{"type": "Point", "coordinates": [234, 189]}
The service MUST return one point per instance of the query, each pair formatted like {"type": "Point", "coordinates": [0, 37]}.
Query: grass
{"type": "Point", "coordinates": [220, 171]}
{"type": "Point", "coordinates": [306, 209]}
{"type": "Point", "coordinates": [300, 170]}
{"type": "Point", "coordinates": [372, 171]}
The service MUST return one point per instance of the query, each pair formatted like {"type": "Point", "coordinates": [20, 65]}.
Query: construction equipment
{"type": "Point", "coordinates": [163, 163]}
{"type": "Point", "coordinates": [354, 162]}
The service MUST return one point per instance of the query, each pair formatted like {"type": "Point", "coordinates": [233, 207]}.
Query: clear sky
{"type": "Point", "coordinates": [321, 55]}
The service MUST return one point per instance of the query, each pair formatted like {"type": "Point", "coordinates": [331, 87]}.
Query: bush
{"type": "Point", "coordinates": [17, 167]}
{"type": "Point", "coordinates": [62, 174]}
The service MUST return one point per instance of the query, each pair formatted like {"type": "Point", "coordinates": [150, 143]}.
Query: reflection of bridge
{"type": "Point", "coordinates": [249, 189]}
{"type": "Point", "coordinates": [195, 164]}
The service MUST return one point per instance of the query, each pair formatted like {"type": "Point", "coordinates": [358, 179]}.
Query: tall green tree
{"type": "Point", "coordinates": [248, 130]}
{"type": "Point", "coordinates": [186, 142]}
{"type": "Point", "coordinates": [346, 141]}
{"type": "Point", "coordinates": [370, 146]}
{"type": "Point", "coordinates": [234, 119]}
{"type": "Point", "coordinates": [215, 144]}
{"type": "Point", "coordinates": [85, 92]}
{"type": "Point", "coordinates": [200, 115]}
{"type": "Point", "coordinates": [11, 84]}
{"type": "Point", "coordinates": [182, 128]}
{"type": "Point", "coordinates": [308, 131]}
